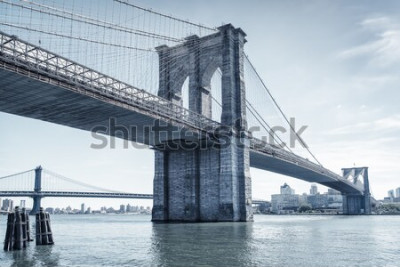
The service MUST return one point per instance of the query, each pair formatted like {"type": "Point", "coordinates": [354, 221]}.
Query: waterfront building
{"type": "Point", "coordinates": [285, 202]}
{"type": "Point", "coordinates": [286, 190]}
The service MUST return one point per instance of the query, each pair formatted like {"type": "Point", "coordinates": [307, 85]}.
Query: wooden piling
{"type": "Point", "coordinates": [9, 232]}
{"type": "Point", "coordinates": [16, 237]}
{"type": "Point", "coordinates": [25, 217]}
{"type": "Point", "coordinates": [44, 235]}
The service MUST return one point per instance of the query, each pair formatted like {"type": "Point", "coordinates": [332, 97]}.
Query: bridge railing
{"type": "Point", "coordinates": [39, 60]}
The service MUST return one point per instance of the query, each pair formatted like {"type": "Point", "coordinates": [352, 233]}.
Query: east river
{"type": "Point", "coordinates": [287, 240]}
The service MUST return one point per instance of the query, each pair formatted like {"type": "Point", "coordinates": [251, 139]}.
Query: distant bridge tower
{"type": "Point", "coordinates": [357, 204]}
{"type": "Point", "coordinates": [205, 184]}
{"type": "Point", "coordinates": [38, 189]}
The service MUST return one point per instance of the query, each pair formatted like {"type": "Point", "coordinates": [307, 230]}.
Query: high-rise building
{"type": "Point", "coordinates": [286, 189]}
{"type": "Point", "coordinates": [398, 192]}
{"type": "Point", "coordinates": [83, 208]}
{"type": "Point", "coordinates": [22, 204]}
{"type": "Point", "coordinates": [122, 208]}
{"type": "Point", "coordinates": [313, 189]}
{"type": "Point", "coordinates": [391, 194]}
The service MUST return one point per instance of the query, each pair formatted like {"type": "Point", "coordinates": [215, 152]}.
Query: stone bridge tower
{"type": "Point", "coordinates": [212, 183]}
{"type": "Point", "coordinates": [357, 204]}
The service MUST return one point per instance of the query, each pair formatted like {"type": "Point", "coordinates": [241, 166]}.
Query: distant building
{"type": "Point", "coordinates": [50, 210]}
{"type": "Point", "coordinates": [83, 208]}
{"type": "Point", "coordinates": [88, 211]}
{"type": "Point", "coordinates": [318, 201]}
{"type": "Point", "coordinates": [22, 204]}
{"type": "Point", "coordinates": [391, 195]}
{"type": "Point", "coordinates": [313, 189]}
{"type": "Point", "coordinates": [286, 189]}
{"type": "Point", "coordinates": [387, 200]}
{"type": "Point", "coordinates": [285, 202]}
{"type": "Point", "coordinates": [122, 208]}
{"type": "Point", "coordinates": [8, 205]}
{"type": "Point", "coordinates": [333, 192]}
{"type": "Point", "coordinates": [398, 192]}
{"type": "Point", "coordinates": [335, 199]}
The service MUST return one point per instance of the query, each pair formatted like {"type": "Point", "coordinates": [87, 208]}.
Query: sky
{"type": "Point", "coordinates": [333, 65]}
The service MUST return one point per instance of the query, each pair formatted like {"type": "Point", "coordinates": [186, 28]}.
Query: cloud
{"type": "Point", "coordinates": [384, 49]}
{"type": "Point", "coordinates": [390, 123]}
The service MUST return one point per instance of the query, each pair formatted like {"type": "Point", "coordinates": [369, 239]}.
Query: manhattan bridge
{"type": "Point", "coordinates": [186, 90]}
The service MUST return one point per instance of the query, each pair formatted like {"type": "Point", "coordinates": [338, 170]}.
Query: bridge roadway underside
{"type": "Point", "coordinates": [57, 102]}
{"type": "Point", "coordinates": [79, 108]}
{"type": "Point", "coordinates": [267, 162]}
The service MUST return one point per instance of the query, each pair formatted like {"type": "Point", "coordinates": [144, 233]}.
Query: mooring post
{"type": "Point", "coordinates": [9, 232]}
{"type": "Point", "coordinates": [27, 225]}
{"type": "Point", "coordinates": [18, 239]}
{"type": "Point", "coordinates": [15, 235]}
{"type": "Point", "coordinates": [50, 233]}
{"type": "Point", "coordinates": [44, 235]}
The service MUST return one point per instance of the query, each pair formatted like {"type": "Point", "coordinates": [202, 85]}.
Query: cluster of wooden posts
{"type": "Point", "coordinates": [18, 230]}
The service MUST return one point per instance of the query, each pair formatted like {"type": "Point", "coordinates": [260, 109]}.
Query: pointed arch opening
{"type": "Point", "coordinates": [216, 95]}
{"type": "Point", "coordinates": [185, 93]}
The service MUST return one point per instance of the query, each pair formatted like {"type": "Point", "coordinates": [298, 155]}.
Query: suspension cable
{"type": "Point", "coordinates": [279, 108]}
{"type": "Point", "coordinates": [15, 174]}
{"type": "Point", "coordinates": [56, 175]}
{"type": "Point", "coordinates": [77, 38]}
{"type": "Point", "coordinates": [164, 15]}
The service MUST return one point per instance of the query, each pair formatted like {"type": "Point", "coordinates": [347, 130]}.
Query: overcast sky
{"type": "Point", "coordinates": [333, 65]}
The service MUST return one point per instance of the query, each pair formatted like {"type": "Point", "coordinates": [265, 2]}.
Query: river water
{"type": "Point", "coordinates": [132, 240]}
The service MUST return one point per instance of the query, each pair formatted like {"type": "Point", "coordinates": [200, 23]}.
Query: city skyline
{"type": "Point", "coordinates": [392, 194]}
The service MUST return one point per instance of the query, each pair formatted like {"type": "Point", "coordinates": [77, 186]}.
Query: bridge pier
{"type": "Point", "coordinates": [356, 204]}
{"type": "Point", "coordinates": [202, 185]}
{"type": "Point", "coordinates": [36, 205]}
{"type": "Point", "coordinates": [210, 183]}
{"type": "Point", "coordinates": [38, 188]}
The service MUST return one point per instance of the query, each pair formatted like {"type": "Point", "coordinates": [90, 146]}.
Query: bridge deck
{"type": "Point", "coordinates": [32, 86]}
